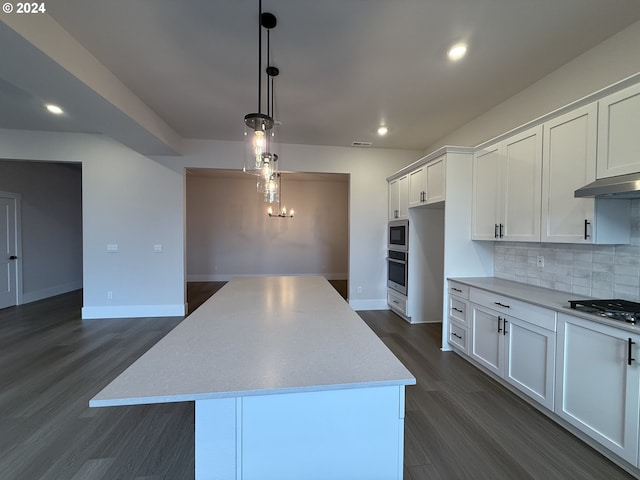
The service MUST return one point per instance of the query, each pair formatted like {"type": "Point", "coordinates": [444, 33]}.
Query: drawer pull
{"type": "Point", "coordinates": [502, 305]}
{"type": "Point", "coordinates": [396, 302]}
{"type": "Point", "coordinates": [457, 309]}
{"type": "Point", "coordinates": [456, 335]}
{"type": "Point", "coordinates": [456, 289]}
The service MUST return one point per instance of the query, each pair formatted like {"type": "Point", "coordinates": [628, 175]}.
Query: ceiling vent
{"type": "Point", "coordinates": [361, 144]}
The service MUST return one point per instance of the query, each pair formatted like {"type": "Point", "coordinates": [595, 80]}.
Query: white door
{"type": "Point", "coordinates": [8, 252]}
{"type": "Point", "coordinates": [487, 186]}
{"type": "Point", "coordinates": [522, 186]}
{"type": "Point", "coordinates": [597, 383]}
{"type": "Point", "coordinates": [568, 163]}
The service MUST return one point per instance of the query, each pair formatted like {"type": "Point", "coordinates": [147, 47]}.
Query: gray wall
{"type": "Point", "coordinates": [229, 232]}
{"type": "Point", "coordinates": [51, 220]}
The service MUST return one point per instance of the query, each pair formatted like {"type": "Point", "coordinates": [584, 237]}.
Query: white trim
{"type": "Point", "coordinates": [51, 291]}
{"type": "Point", "coordinates": [226, 277]}
{"type": "Point", "coordinates": [369, 304]}
{"type": "Point", "coordinates": [134, 311]}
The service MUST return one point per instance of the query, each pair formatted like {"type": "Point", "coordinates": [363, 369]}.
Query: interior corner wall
{"type": "Point", "coordinates": [230, 234]}
{"type": "Point", "coordinates": [609, 62]}
{"type": "Point", "coordinates": [51, 225]}
{"type": "Point", "coordinates": [130, 201]}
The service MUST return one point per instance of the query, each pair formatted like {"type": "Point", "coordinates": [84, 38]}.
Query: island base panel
{"type": "Point", "coordinates": [339, 434]}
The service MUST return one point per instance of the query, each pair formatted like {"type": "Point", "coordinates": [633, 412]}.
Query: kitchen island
{"type": "Point", "coordinates": [288, 383]}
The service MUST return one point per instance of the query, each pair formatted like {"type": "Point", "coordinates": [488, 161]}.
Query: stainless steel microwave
{"type": "Point", "coordinates": [398, 235]}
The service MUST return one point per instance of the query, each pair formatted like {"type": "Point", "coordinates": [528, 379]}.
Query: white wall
{"type": "Point", "coordinates": [607, 63]}
{"type": "Point", "coordinates": [230, 234]}
{"type": "Point", "coordinates": [51, 221]}
{"type": "Point", "coordinates": [127, 200]}
{"type": "Point", "coordinates": [368, 168]}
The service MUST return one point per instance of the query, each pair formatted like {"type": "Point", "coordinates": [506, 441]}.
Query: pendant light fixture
{"type": "Point", "coordinates": [281, 212]}
{"type": "Point", "coordinates": [260, 156]}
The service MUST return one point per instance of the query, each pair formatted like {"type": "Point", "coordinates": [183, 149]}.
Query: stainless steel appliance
{"type": "Point", "coordinates": [397, 270]}
{"type": "Point", "coordinates": [398, 235]}
{"type": "Point", "coordinates": [615, 309]}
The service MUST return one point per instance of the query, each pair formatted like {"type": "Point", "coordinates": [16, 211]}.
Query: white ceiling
{"type": "Point", "coordinates": [345, 65]}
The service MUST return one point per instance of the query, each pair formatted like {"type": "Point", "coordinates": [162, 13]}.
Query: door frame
{"type": "Point", "coordinates": [17, 201]}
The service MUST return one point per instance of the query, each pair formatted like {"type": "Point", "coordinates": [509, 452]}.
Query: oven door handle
{"type": "Point", "coordinates": [403, 262]}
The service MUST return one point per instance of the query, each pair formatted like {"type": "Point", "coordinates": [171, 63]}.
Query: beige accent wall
{"type": "Point", "coordinates": [229, 232]}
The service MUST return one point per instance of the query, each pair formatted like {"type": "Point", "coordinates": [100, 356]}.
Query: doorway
{"type": "Point", "coordinates": [9, 245]}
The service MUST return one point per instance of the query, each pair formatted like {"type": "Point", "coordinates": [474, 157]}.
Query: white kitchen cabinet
{"type": "Point", "coordinates": [518, 346]}
{"type": "Point", "coordinates": [597, 386]}
{"type": "Point", "coordinates": [507, 188]}
{"type": "Point", "coordinates": [487, 346]}
{"type": "Point", "coordinates": [398, 198]}
{"type": "Point", "coordinates": [569, 162]}
{"type": "Point", "coordinates": [417, 187]}
{"type": "Point", "coordinates": [618, 138]}
{"type": "Point", "coordinates": [435, 181]}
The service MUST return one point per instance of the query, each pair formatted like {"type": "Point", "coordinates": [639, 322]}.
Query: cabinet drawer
{"type": "Point", "coordinates": [397, 301]}
{"type": "Point", "coordinates": [458, 289]}
{"type": "Point", "coordinates": [458, 310]}
{"type": "Point", "coordinates": [542, 317]}
{"type": "Point", "coordinates": [458, 337]}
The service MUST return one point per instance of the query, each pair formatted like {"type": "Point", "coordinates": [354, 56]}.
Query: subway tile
{"type": "Point", "coordinates": [581, 290]}
{"type": "Point", "coordinates": [629, 280]}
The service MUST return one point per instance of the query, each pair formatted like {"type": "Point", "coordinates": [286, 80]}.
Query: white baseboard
{"type": "Point", "coordinates": [210, 277]}
{"type": "Point", "coordinates": [369, 304]}
{"type": "Point", "coordinates": [50, 292]}
{"type": "Point", "coordinates": [134, 311]}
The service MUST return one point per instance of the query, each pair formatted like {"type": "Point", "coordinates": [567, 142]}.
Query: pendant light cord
{"type": "Point", "coordinates": [259, 56]}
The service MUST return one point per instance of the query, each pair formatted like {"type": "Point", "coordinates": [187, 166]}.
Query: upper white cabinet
{"type": "Point", "coordinates": [507, 189]}
{"type": "Point", "coordinates": [427, 183]}
{"type": "Point", "coordinates": [569, 162]}
{"type": "Point", "coordinates": [398, 198]}
{"type": "Point", "coordinates": [435, 181]}
{"type": "Point", "coordinates": [597, 383]}
{"type": "Point", "coordinates": [417, 187]}
{"type": "Point", "coordinates": [619, 133]}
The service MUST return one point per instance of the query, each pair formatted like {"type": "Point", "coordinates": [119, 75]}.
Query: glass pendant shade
{"type": "Point", "coordinates": [260, 144]}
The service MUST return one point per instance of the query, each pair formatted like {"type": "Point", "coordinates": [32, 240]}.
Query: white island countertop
{"type": "Point", "coordinates": [260, 336]}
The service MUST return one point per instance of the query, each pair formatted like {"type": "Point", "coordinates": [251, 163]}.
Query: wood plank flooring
{"type": "Point", "coordinates": [460, 424]}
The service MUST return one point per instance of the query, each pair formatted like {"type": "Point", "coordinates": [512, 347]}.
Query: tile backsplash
{"type": "Point", "coordinates": [601, 271]}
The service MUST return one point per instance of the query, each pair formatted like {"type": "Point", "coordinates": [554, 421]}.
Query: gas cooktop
{"type": "Point", "coordinates": [615, 309]}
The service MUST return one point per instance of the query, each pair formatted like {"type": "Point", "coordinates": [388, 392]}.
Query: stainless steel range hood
{"type": "Point", "coordinates": [622, 186]}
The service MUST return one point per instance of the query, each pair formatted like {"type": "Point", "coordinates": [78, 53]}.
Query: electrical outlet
{"type": "Point", "coordinates": [109, 295]}
{"type": "Point", "coordinates": [359, 289]}
{"type": "Point", "coordinates": [540, 261]}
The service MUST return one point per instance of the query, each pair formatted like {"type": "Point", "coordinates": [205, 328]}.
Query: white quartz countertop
{"type": "Point", "coordinates": [259, 336]}
{"type": "Point", "coordinates": [543, 297]}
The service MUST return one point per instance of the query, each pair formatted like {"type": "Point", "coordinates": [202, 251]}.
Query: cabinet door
{"type": "Point", "coordinates": [403, 197]}
{"type": "Point", "coordinates": [486, 338]}
{"type": "Point", "coordinates": [568, 163]}
{"type": "Point", "coordinates": [394, 199]}
{"type": "Point", "coordinates": [417, 194]}
{"type": "Point", "coordinates": [435, 185]}
{"type": "Point", "coordinates": [522, 186]}
{"type": "Point", "coordinates": [618, 139]}
{"type": "Point", "coordinates": [596, 390]}
{"type": "Point", "coordinates": [530, 359]}
{"type": "Point", "coordinates": [486, 192]}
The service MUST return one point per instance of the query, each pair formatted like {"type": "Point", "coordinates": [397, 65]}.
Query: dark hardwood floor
{"type": "Point", "coordinates": [460, 424]}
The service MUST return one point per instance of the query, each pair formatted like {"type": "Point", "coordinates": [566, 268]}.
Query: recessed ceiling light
{"type": "Point", "coordinates": [382, 130]}
{"type": "Point", "coordinates": [55, 109]}
{"type": "Point", "coordinates": [456, 52]}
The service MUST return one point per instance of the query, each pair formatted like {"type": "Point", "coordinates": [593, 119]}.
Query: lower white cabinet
{"type": "Point", "coordinates": [520, 352]}
{"type": "Point", "coordinates": [598, 383]}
